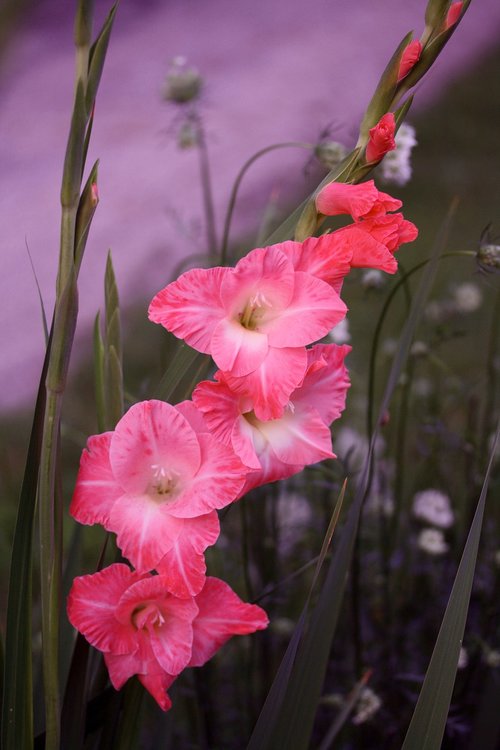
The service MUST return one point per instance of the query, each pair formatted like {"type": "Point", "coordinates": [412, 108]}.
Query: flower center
{"type": "Point", "coordinates": [164, 484]}
{"type": "Point", "coordinates": [254, 311]}
{"type": "Point", "coordinates": [147, 616]}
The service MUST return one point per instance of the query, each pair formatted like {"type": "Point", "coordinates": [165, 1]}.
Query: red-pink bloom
{"type": "Point", "coordinates": [142, 629]}
{"type": "Point", "coordinates": [361, 201]}
{"type": "Point", "coordinates": [381, 138]}
{"type": "Point", "coordinates": [156, 482]}
{"type": "Point", "coordinates": [454, 13]}
{"type": "Point", "coordinates": [253, 316]}
{"type": "Point", "coordinates": [410, 56]}
{"type": "Point", "coordinates": [369, 243]}
{"type": "Point", "coordinates": [278, 448]}
{"type": "Point", "coordinates": [139, 626]}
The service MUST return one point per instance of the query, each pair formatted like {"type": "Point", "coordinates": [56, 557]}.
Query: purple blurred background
{"type": "Point", "coordinates": [273, 71]}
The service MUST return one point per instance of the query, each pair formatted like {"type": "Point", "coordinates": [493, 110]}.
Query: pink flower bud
{"type": "Point", "coordinates": [94, 194]}
{"type": "Point", "coordinates": [381, 138]}
{"type": "Point", "coordinates": [410, 56]}
{"type": "Point", "coordinates": [454, 13]}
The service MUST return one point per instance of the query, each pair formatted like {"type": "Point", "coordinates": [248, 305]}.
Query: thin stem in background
{"type": "Point", "coordinates": [207, 192]}
{"type": "Point", "coordinates": [236, 186]}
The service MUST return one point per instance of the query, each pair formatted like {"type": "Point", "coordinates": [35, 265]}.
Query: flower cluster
{"type": "Point", "coordinates": [158, 479]}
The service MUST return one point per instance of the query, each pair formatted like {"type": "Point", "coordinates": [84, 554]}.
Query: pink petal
{"type": "Point", "coordinates": [368, 252]}
{"type": "Point", "coordinates": [151, 675]}
{"type": "Point", "coordinates": [92, 604]}
{"type": "Point", "coordinates": [266, 271]}
{"type": "Point", "coordinates": [183, 567]}
{"type": "Point", "coordinates": [243, 444]}
{"type": "Point", "coordinates": [313, 311]}
{"type": "Point", "coordinates": [191, 306]}
{"type": "Point", "coordinates": [193, 415]}
{"type": "Point", "coordinates": [221, 615]}
{"type": "Point", "coordinates": [145, 530]}
{"type": "Point", "coordinates": [327, 257]}
{"type": "Point", "coordinates": [237, 349]}
{"type": "Point", "coordinates": [325, 386]}
{"type": "Point", "coordinates": [151, 436]}
{"type": "Point", "coordinates": [299, 437]}
{"type": "Point", "coordinates": [358, 200]}
{"type": "Point", "coordinates": [217, 483]}
{"type": "Point", "coordinates": [269, 387]}
{"type": "Point", "coordinates": [96, 487]}
{"type": "Point", "coordinates": [157, 684]}
{"type": "Point", "coordinates": [223, 409]}
{"type": "Point", "coordinates": [220, 407]}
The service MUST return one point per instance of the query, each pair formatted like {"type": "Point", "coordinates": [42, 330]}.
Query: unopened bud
{"type": "Point", "coordinates": [182, 84]}
{"type": "Point", "coordinates": [454, 13]}
{"type": "Point", "coordinates": [330, 153]}
{"type": "Point", "coordinates": [94, 194]}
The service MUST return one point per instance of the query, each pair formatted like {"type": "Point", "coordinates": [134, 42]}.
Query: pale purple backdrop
{"type": "Point", "coordinates": [275, 70]}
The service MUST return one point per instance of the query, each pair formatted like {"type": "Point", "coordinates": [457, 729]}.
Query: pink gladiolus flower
{"type": "Point", "coordinates": [142, 629]}
{"type": "Point", "coordinates": [253, 316]}
{"type": "Point", "coordinates": [361, 201]}
{"type": "Point", "coordinates": [156, 482]}
{"type": "Point", "coordinates": [278, 448]}
{"type": "Point", "coordinates": [139, 626]}
{"type": "Point", "coordinates": [454, 13]}
{"type": "Point", "coordinates": [409, 58]}
{"type": "Point", "coordinates": [369, 243]}
{"type": "Point", "coordinates": [381, 138]}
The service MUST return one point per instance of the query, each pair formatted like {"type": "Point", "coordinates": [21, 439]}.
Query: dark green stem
{"type": "Point", "coordinates": [234, 192]}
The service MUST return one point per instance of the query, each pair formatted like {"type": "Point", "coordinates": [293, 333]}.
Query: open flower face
{"type": "Point", "coordinates": [143, 630]}
{"type": "Point", "coordinates": [277, 448]}
{"type": "Point", "coordinates": [256, 315]}
{"type": "Point", "coordinates": [156, 482]}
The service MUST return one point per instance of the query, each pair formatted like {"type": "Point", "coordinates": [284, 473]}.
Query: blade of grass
{"type": "Point", "coordinates": [428, 722]}
{"type": "Point", "coordinates": [343, 715]}
{"type": "Point", "coordinates": [17, 709]}
{"type": "Point", "coordinates": [261, 737]}
{"type": "Point", "coordinates": [291, 720]}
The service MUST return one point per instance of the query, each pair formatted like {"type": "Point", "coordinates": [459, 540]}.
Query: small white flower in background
{"type": "Point", "coordinates": [422, 387]}
{"type": "Point", "coordinates": [419, 349]}
{"type": "Point", "coordinates": [372, 279]}
{"type": "Point", "coordinates": [467, 297]}
{"type": "Point", "coordinates": [463, 658]}
{"type": "Point", "coordinates": [367, 706]}
{"type": "Point", "coordinates": [492, 658]}
{"type": "Point", "coordinates": [395, 167]}
{"type": "Point", "coordinates": [352, 447]}
{"type": "Point", "coordinates": [432, 541]}
{"type": "Point", "coordinates": [340, 334]}
{"type": "Point", "coordinates": [433, 507]}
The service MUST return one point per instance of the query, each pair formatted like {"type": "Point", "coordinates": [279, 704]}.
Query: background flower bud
{"type": "Point", "coordinates": [330, 153]}
{"type": "Point", "coordinates": [182, 84]}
